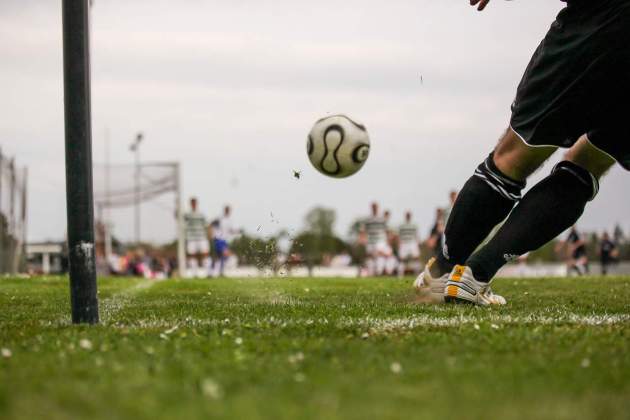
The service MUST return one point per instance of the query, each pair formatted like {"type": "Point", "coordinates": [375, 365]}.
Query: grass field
{"type": "Point", "coordinates": [320, 348]}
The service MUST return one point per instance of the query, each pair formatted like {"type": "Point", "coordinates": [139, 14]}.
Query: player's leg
{"type": "Point", "coordinates": [407, 257]}
{"type": "Point", "coordinates": [488, 197]}
{"type": "Point", "coordinates": [191, 259]}
{"type": "Point", "coordinates": [205, 260]}
{"type": "Point", "coordinates": [413, 257]}
{"type": "Point", "coordinates": [223, 252]}
{"type": "Point", "coordinates": [587, 266]}
{"type": "Point", "coordinates": [549, 208]}
{"type": "Point", "coordinates": [370, 261]}
{"type": "Point", "coordinates": [485, 200]}
{"type": "Point", "coordinates": [380, 264]}
{"type": "Point", "coordinates": [206, 265]}
{"type": "Point", "coordinates": [403, 261]}
{"type": "Point", "coordinates": [391, 261]}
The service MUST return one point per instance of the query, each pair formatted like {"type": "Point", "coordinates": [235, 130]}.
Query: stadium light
{"type": "Point", "coordinates": [78, 136]}
{"type": "Point", "coordinates": [135, 147]}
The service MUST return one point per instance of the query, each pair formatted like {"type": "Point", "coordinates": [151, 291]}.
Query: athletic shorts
{"type": "Point", "coordinates": [579, 253]}
{"type": "Point", "coordinates": [408, 250]}
{"type": "Point", "coordinates": [220, 246]}
{"type": "Point", "coordinates": [197, 246]}
{"type": "Point", "coordinates": [578, 81]}
{"type": "Point", "coordinates": [379, 248]}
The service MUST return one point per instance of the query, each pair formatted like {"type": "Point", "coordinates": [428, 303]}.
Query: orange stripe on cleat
{"type": "Point", "coordinates": [451, 290]}
{"type": "Point", "coordinates": [458, 271]}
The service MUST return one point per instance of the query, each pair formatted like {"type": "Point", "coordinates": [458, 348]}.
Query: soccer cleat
{"type": "Point", "coordinates": [426, 284]}
{"type": "Point", "coordinates": [462, 287]}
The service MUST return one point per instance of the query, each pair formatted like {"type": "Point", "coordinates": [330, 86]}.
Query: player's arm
{"type": "Point", "coordinates": [362, 236]}
{"type": "Point", "coordinates": [481, 4]}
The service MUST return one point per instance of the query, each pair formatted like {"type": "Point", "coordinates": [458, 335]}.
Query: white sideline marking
{"type": "Point", "coordinates": [385, 325]}
{"type": "Point", "coordinates": [111, 306]}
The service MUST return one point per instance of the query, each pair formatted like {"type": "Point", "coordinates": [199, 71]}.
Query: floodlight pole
{"type": "Point", "coordinates": [179, 212]}
{"type": "Point", "coordinates": [135, 147]}
{"type": "Point", "coordinates": [79, 194]}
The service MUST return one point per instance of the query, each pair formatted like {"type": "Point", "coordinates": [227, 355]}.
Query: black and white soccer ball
{"type": "Point", "coordinates": [338, 146]}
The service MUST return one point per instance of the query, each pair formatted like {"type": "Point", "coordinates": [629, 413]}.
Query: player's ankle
{"type": "Point", "coordinates": [479, 270]}
{"type": "Point", "coordinates": [442, 266]}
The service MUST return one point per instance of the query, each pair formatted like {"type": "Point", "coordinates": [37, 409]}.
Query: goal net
{"type": "Point", "coordinates": [12, 215]}
{"type": "Point", "coordinates": [128, 197]}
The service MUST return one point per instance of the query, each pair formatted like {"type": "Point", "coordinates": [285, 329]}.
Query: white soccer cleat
{"type": "Point", "coordinates": [462, 287]}
{"type": "Point", "coordinates": [425, 283]}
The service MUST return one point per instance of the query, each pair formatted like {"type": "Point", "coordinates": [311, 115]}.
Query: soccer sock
{"type": "Point", "coordinates": [485, 200]}
{"type": "Point", "coordinates": [370, 266]}
{"type": "Point", "coordinates": [207, 266]}
{"type": "Point", "coordinates": [222, 259]}
{"type": "Point", "coordinates": [550, 207]}
{"type": "Point", "coordinates": [390, 265]}
{"type": "Point", "coordinates": [380, 265]}
{"type": "Point", "coordinates": [192, 267]}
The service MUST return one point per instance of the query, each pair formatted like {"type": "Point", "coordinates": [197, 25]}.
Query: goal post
{"type": "Point", "coordinates": [78, 143]}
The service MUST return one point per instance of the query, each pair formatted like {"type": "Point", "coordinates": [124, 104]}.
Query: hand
{"type": "Point", "coordinates": [481, 4]}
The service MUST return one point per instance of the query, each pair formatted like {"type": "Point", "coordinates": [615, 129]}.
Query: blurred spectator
{"type": "Point", "coordinates": [608, 253]}
{"type": "Point", "coordinates": [222, 233]}
{"type": "Point", "coordinates": [452, 197]}
{"type": "Point", "coordinates": [408, 246]}
{"type": "Point", "coordinates": [197, 245]}
{"type": "Point", "coordinates": [374, 231]}
{"type": "Point", "coordinates": [577, 258]}
{"type": "Point", "coordinates": [391, 262]}
{"type": "Point", "coordinates": [434, 241]}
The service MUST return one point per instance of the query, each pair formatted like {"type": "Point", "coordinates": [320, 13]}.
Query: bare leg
{"type": "Point", "coordinates": [516, 159]}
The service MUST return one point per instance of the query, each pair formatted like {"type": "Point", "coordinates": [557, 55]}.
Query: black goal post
{"type": "Point", "coordinates": [79, 194]}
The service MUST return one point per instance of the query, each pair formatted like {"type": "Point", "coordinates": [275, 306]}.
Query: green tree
{"type": "Point", "coordinates": [260, 252]}
{"type": "Point", "coordinates": [318, 239]}
{"type": "Point", "coordinates": [320, 221]}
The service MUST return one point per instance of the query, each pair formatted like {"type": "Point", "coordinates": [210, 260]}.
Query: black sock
{"type": "Point", "coordinates": [485, 200]}
{"type": "Point", "coordinates": [549, 208]}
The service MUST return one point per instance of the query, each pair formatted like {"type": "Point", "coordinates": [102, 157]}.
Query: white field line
{"type": "Point", "coordinates": [386, 325]}
{"type": "Point", "coordinates": [111, 306]}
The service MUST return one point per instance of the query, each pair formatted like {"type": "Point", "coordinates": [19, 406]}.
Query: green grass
{"type": "Point", "coordinates": [320, 348]}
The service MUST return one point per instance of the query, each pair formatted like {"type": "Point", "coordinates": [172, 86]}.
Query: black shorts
{"type": "Point", "coordinates": [578, 81]}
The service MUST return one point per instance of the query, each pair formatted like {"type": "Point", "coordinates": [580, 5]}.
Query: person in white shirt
{"type": "Point", "coordinates": [409, 245]}
{"type": "Point", "coordinates": [391, 261]}
{"type": "Point", "coordinates": [197, 245]}
{"type": "Point", "coordinates": [374, 229]}
{"type": "Point", "coordinates": [223, 232]}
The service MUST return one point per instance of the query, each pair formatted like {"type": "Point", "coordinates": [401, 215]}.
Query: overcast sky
{"type": "Point", "coordinates": [230, 89]}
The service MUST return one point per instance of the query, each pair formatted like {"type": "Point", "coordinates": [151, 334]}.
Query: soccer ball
{"type": "Point", "coordinates": [338, 146]}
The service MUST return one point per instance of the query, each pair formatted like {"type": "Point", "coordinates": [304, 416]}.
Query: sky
{"type": "Point", "coordinates": [230, 90]}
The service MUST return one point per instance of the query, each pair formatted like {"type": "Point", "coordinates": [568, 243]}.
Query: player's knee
{"type": "Point", "coordinates": [516, 159]}
{"type": "Point", "coordinates": [586, 180]}
{"type": "Point", "coordinates": [504, 185]}
{"type": "Point", "coordinates": [587, 156]}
